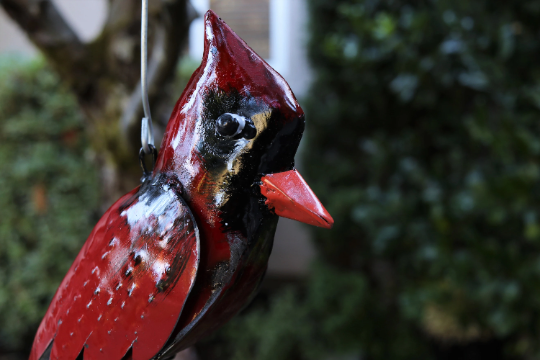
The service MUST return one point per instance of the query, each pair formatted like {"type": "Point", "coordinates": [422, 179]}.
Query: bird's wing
{"type": "Point", "coordinates": [128, 285]}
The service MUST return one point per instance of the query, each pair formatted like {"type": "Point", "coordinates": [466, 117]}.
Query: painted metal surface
{"type": "Point", "coordinates": [129, 283]}
{"type": "Point", "coordinates": [288, 194]}
{"type": "Point", "coordinates": [234, 131]}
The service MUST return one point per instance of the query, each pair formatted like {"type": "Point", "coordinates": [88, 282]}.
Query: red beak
{"type": "Point", "coordinates": [289, 195]}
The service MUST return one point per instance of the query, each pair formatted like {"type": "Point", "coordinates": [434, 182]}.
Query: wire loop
{"type": "Point", "coordinates": [142, 155]}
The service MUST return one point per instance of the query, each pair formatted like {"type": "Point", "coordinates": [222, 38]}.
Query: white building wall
{"type": "Point", "coordinates": [12, 40]}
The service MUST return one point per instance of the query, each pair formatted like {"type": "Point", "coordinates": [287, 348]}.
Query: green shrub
{"type": "Point", "coordinates": [423, 130]}
{"type": "Point", "coordinates": [48, 194]}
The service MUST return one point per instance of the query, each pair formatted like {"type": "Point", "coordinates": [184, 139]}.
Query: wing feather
{"type": "Point", "coordinates": [128, 285]}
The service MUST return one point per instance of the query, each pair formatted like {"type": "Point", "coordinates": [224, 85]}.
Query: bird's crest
{"type": "Point", "coordinates": [228, 65]}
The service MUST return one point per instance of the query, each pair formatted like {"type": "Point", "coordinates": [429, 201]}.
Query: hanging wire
{"type": "Point", "coordinates": [147, 132]}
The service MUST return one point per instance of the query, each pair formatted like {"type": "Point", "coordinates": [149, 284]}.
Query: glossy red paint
{"type": "Point", "coordinates": [290, 197]}
{"type": "Point", "coordinates": [202, 181]}
{"type": "Point", "coordinates": [229, 64]}
{"type": "Point", "coordinates": [128, 284]}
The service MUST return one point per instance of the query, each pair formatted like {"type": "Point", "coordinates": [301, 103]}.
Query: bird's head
{"type": "Point", "coordinates": [233, 135]}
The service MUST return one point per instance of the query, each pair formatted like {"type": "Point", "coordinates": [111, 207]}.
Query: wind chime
{"type": "Point", "coordinates": [186, 250]}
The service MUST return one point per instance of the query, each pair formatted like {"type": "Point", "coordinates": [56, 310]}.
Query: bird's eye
{"type": "Point", "coordinates": [231, 125]}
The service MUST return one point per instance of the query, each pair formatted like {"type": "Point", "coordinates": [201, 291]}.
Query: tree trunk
{"type": "Point", "coordinates": [104, 75]}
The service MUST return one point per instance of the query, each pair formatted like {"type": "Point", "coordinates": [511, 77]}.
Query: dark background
{"type": "Point", "coordinates": [423, 142]}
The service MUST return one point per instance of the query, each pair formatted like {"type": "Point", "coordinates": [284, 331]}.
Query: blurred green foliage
{"type": "Point", "coordinates": [423, 140]}
{"type": "Point", "coordinates": [423, 131]}
{"type": "Point", "coordinates": [49, 194]}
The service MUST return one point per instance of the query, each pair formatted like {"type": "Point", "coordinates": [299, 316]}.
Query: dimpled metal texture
{"type": "Point", "coordinates": [211, 189]}
{"type": "Point", "coordinates": [129, 283]}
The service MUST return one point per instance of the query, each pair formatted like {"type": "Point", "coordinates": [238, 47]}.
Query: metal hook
{"type": "Point", "coordinates": [147, 131]}
{"type": "Point", "coordinates": [142, 154]}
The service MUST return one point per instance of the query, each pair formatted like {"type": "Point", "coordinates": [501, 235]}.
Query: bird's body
{"type": "Point", "coordinates": [183, 253]}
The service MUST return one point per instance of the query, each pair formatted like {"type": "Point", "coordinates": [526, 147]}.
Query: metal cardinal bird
{"type": "Point", "coordinates": [181, 254]}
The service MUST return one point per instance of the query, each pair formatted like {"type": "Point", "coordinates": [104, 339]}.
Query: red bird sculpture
{"type": "Point", "coordinates": [184, 252]}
